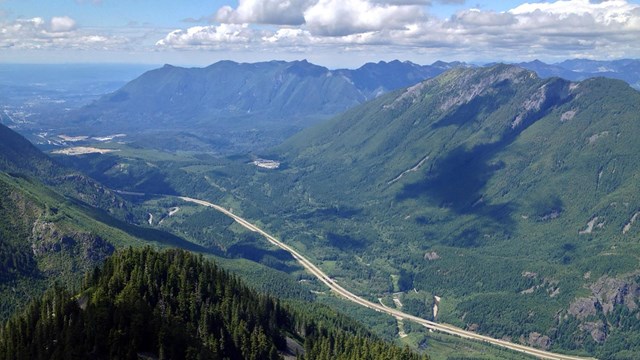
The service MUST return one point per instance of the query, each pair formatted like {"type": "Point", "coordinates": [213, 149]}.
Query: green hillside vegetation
{"type": "Point", "coordinates": [176, 305]}
{"type": "Point", "coordinates": [48, 237]}
{"type": "Point", "coordinates": [45, 235]}
{"type": "Point", "coordinates": [513, 198]}
{"type": "Point", "coordinates": [510, 196]}
{"type": "Point", "coordinates": [269, 270]}
{"type": "Point", "coordinates": [19, 157]}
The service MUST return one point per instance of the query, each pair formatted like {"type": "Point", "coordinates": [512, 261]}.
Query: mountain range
{"type": "Point", "coordinates": [627, 70]}
{"type": "Point", "coordinates": [229, 106]}
{"type": "Point", "coordinates": [505, 192]}
{"type": "Point", "coordinates": [506, 197]}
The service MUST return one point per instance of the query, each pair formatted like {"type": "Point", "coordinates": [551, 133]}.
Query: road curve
{"type": "Point", "coordinates": [445, 328]}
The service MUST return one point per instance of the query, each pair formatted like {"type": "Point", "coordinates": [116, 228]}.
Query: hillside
{"type": "Point", "coordinates": [21, 158]}
{"type": "Point", "coordinates": [46, 236]}
{"type": "Point", "coordinates": [232, 106]}
{"type": "Point", "coordinates": [176, 305]}
{"type": "Point", "coordinates": [511, 197]}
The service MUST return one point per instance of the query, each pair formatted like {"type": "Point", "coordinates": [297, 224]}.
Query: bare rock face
{"type": "Point", "coordinates": [539, 341]}
{"type": "Point", "coordinates": [582, 308]}
{"type": "Point", "coordinates": [471, 88]}
{"type": "Point", "coordinates": [47, 238]}
{"type": "Point", "coordinates": [616, 291]}
{"type": "Point", "coordinates": [95, 248]}
{"type": "Point", "coordinates": [596, 329]}
{"type": "Point", "coordinates": [432, 255]}
{"type": "Point", "coordinates": [607, 293]}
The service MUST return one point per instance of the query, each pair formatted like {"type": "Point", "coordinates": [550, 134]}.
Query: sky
{"type": "Point", "coordinates": [333, 33]}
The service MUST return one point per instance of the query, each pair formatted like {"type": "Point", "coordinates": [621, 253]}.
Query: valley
{"type": "Point", "coordinates": [320, 180]}
{"type": "Point", "coordinates": [509, 197]}
{"type": "Point", "coordinates": [339, 290]}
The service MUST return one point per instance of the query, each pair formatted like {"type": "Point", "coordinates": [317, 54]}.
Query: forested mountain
{"type": "Point", "coordinates": [19, 157]}
{"type": "Point", "coordinates": [175, 305]}
{"type": "Point", "coordinates": [141, 303]}
{"type": "Point", "coordinates": [508, 194]}
{"type": "Point", "coordinates": [45, 235]}
{"type": "Point", "coordinates": [230, 106]}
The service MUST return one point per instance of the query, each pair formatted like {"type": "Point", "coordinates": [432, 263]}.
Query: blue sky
{"type": "Point", "coordinates": [334, 33]}
{"type": "Point", "coordinates": [169, 13]}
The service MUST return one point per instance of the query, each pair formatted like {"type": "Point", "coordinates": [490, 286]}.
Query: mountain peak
{"type": "Point", "coordinates": [304, 68]}
{"type": "Point", "coordinates": [440, 63]}
{"type": "Point", "coordinates": [460, 85]}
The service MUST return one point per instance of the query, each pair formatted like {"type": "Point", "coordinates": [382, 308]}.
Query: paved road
{"type": "Point", "coordinates": [445, 328]}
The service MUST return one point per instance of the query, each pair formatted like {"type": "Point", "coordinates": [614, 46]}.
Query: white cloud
{"type": "Point", "coordinates": [604, 12]}
{"type": "Point", "coordinates": [325, 17]}
{"type": "Point", "coordinates": [210, 36]}
{"type": "Point", "coordinates": [276, 12]}
{"type": "Point", "coordinates": [551, 29]}
{"type": "Point", "coordinates": [57, 33]}
{"type": "Point", "coordinates": [475, 17]}
{"type": "Point", "coordinates": [290, 36]}
{"type": "Point", "coordinates": [341, 18]}
{"type": "Point", "coordinates": [62, 24]}
{"type": "Point", "coordinates": [560, 29]}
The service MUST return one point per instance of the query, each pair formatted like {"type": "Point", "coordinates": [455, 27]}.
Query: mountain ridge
{"type": "Point", "coordinates": [487, 176]}
{"type": "Point", "coordinates": [627, 70]}
{"type": "Point", "coordinates": [241, 106]}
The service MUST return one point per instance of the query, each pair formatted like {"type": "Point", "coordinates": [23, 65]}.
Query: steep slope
{"type": "Point", "coordinates": [19, 157]}
{"type": "Point", "coordinates": [512, 196]}
{"type": "Point", "coordinates": [144, 304]}
{"type": "Point", "coordinates": [230, 106]}
{"type": "Point", "coordinates": [228, 89]}
{"type": "Point", "coordinates": [45, 236]}
{"type": "Point", "coordinates": [17, 154]}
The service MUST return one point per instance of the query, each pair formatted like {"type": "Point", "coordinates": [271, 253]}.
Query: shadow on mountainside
{"type": "Point", "coordinates": [457, 180]}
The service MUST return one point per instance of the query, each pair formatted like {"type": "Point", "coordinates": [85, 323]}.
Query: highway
{"type": "Point", "coordinates": [339, 290]}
